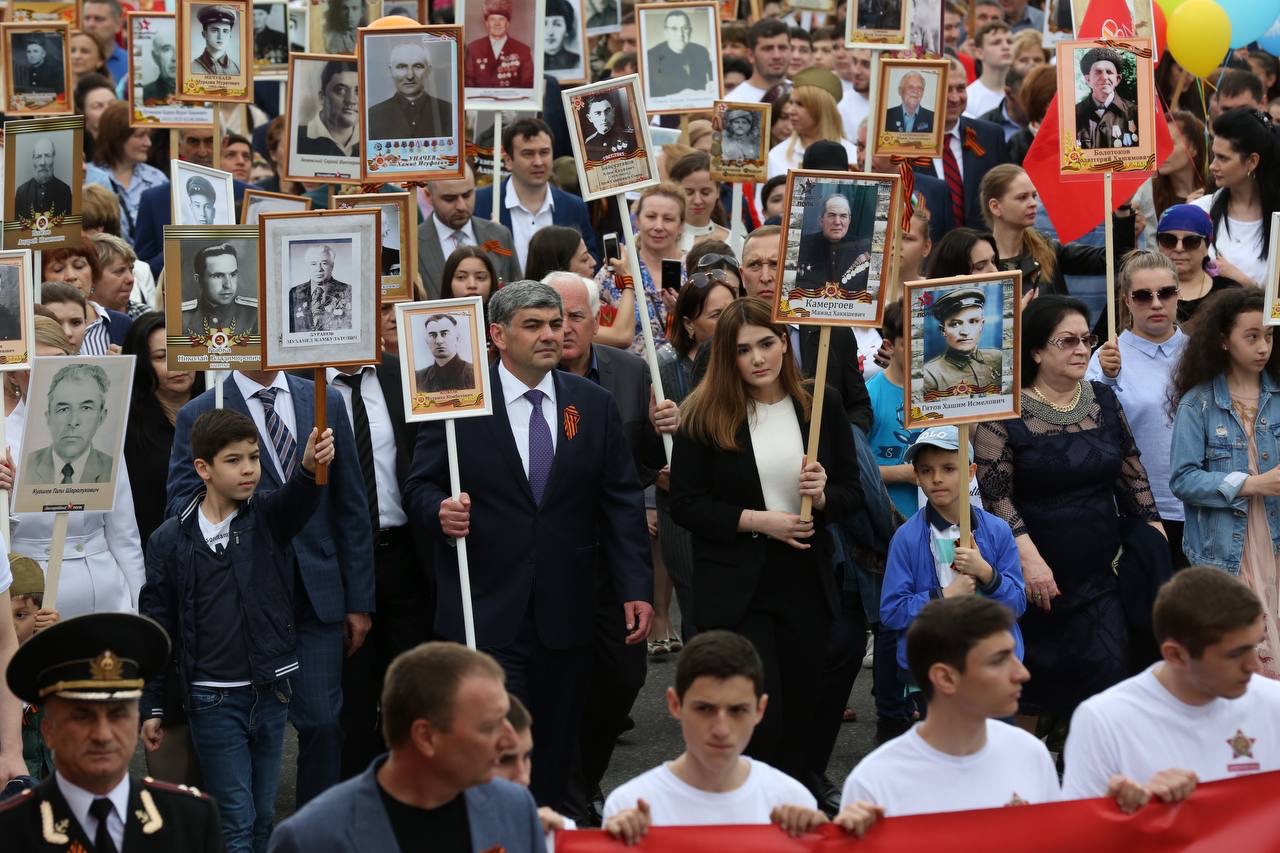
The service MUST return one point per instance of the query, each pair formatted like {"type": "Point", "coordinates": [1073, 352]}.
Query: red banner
{"type": "Point", "coordinates": [1231, 816]}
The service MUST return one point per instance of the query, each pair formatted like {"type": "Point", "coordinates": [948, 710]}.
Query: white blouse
{"type": "Point", "coordinates": [778, 444]}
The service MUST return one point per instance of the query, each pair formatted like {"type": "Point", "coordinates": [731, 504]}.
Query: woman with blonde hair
{"type": "Point", "coordinates": [814, 116]}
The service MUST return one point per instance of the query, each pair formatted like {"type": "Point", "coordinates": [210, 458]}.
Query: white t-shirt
{"type": "Point", "coordinates": [675, 803]}
{"type": "Point", "coordinates": [780, 160]}
{"type": "Point", "coordinates": [1139, 728]}
{"type": "Point", "coordinates": [745, 93]}
{"type": "Point", "coordinates": [853, 108]}
{"type": "Point", "coordinates": [908, 776]}
{"type": "Point", "coordinates": [982, 100]}
{"type": "Point", "coordinates": [1238, 241]}
{"type": "Point", "coordinates": [778, 444]}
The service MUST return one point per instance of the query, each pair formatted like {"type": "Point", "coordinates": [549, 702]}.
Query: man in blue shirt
{"type": "Point", "coordinates": [102, 19]}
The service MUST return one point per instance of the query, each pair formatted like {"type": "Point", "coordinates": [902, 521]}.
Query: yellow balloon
{"type": "Point", "coordinates": [1199, 36]}
{"type": "Point", "coordinates": [392, 22]}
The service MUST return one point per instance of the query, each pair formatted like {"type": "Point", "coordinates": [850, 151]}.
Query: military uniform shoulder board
{"type": "Point", "coordinates": [16, 799]}
{"type": "Point", "coordinates": [189, 305]}
{"type": "Point", "coordinates": [170, 787]}
{"type": "Point", "coordinates": [247, 301]}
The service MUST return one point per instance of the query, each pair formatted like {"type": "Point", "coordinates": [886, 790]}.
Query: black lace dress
{"type": "Point", "coordinates": [1065, 478]}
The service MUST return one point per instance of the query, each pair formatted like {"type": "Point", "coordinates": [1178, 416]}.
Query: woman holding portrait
{"type": "Point", "coordinates": [659, 213]}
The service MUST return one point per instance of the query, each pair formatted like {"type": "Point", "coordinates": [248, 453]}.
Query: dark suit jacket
{"type": "Point", "coordinates": [894, 116]}
{"type": "Point", "coordinates": [842, 372]}
{"type": "Point", "coordinates": [626, 376]}
{"type": "Point", "coordinates": [59, 195]}
{"type": "Point", "coordinates": [570, 211]}
{"type": "Point", "coordinates": [391, 119]}
{"type": "Point", "coordinates": [335, 549]}
{"type": "Point", "coordinates": [938, 199]}
{"type": "Point", "coordinates": [155, 212]}
{"type": "Point", "coordinates": [97, 468]}
{"type": "Point", "coordinates": [990, 137]}
{"type": "Point", "coordinates": [431, 255]}
{"type": "Point", "coordinates": [711, 487]}
{"type": "Point", "coordinates": [528, 557]}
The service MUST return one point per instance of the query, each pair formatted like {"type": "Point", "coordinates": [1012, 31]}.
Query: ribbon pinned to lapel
{"type": "Point", "coordinates": [571, 418]}
{"type": "Point", "coordinates": [496, 248]}
{"type": "Point", "coordinates": [971, 142]}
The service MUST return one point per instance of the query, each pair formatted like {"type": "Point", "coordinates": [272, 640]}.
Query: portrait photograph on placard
{"type": "Point", "coordinates": [320, 294]}
{"type": "Point", "coordinates": [679, 56]}
{"type": "Point", "coordinates": [322, 115]}
{"type": "Point", "coordinates": [1105, 107]}
{"type": "Point", "coordinates": [333, 24]}
{"type": "Point", "coordinates": [564, 40]}
{"type": "Point", "coordinates": [411, 103]}
{"type": "Point", "coordinates": [1271, 287]}
{"type": "Point", "coordinates": [912, 105]}
{"type": "Point", "coordinates": [840, 236]}
{"type": "Point", "coordinates": [211, 297]}
{"type": "Point", "coordinates": [257, 202]}
{"type": "Point", "coordinates": [443, 362]}
{"type": "Point", "coordinates": [153, 75]}
{"type": "Point", "coordinates": [73, 441]}
{"type": "Point", "coordinates": [414, 10]}
{"type": "Point", "coordinates": [502, 63]}
{"type": "Point", "coordinates": [603, 16]}
{"type": "Point", "coordinates": [272, 39]}
{"type": "Point", "coordinates": [1057, 22]}
{"type": "Point", "coordinates": [878, 24]}
{"type": "Point", "coordinates": [43, 162]}
{"type": "Point", "coordinates": [924, 39]}
{"type": "Point", "coordinates": [610, 137]}
{"type": "Point", "coordinates": [962, 348]}
{"type": "Point", "coordinates": [40, 11]}
{"type": "Point", "coordinates": [201, 195]}
{"type": "Point", "coordinates": [38, 77]}
{"type": "Point", "coordinates": [17, 319]}
{"type": "Point", "coordinates": [396, 261]}
{"type": "Point", "coordinates": [215, 57]}
{"type": "Point", "coordinates": [740, 142]}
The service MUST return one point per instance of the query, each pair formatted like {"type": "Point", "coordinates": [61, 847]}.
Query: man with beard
{"type": "Point", "coordinates": [450, 372]}
{"type": "Point", "coordinates": [44, 193]}
{"type": "Point", "coordinates": [218, 305]}
{"type": "Point", "coordinates": [334, 131]}
{"type": "Point", "coordinates": [270, 47]}
{"type": "Point", "coordinates": [828, 256]}
{"type": "Point", "coordinates": [496, 61]}
{"type": "Point", "coordinates": [451, 225]}
{"type": "Point", "coordinates": [216, 22]}
{"type": "Point", "coordinates": [1103, 118]}
{"type": "Point", "coordinates": [558, 28]}
{"type": "Point", "coordinates": [610, 138]}
{"type": "Point", "coordinates": [160, 90]}
{"type": "Point", "coordinates": [322, 304]}
{"type": "Point", "coordinates": [410, 113]}
{"type": "Point", "coordinates": [963, 368]}
{"type": "Point", "coordinates": [677, 65]}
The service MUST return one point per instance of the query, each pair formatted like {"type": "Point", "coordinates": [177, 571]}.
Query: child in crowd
{"type": "Point", "coordinates": [220, 582]}
{"type": "Point", "coordinates": [889, 440]}
{"type": "Point", "coordinates": [516, 765]}
{"type": "Point", "coordinates": [26, 603]}
{"type": "Point", "coordinates": [719, 700]}
{"type": "Point", "coordinates": [925, 562]}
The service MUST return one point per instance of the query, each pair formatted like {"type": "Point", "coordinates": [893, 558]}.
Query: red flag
{"type": "Point", "coordinates": [1075, 206]}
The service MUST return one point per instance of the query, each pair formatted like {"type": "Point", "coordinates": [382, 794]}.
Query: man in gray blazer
{"type": "Point", "coordinates": [76, 408]}
{"type": "Point", "coordinates": [445, 742]}
{"type": "Point", "coordinates": [451, 225]}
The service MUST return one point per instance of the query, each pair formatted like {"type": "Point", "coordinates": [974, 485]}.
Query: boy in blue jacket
{"type": "Point", "coordinates": [924, 560]}
{"type": "Point", "coordinates": [220, 582]}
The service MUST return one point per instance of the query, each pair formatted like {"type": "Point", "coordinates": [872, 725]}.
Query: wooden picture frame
{"type": "Point", "coordinates": [17, 317]}
{"type": "Point", "coordinates": [211, 297]}
{"type": "Point", "coordinates": [655, 59]}
{"type": "Point", "coordinates": [571, 65]}
{"type": "Point", "coordinates": [42, 89]}
{"type": "Point", "coordinates": [973, 373]}
{"type": "Point", "coordinates": [927, 134]}
{"type": "Point", "coordinates": [620, 158]}
{"type": "Point", "coordinates": [465, 391]}
{"type": "Point", "coordinates": [272, 47]}
{"type": "Point", "coordinates": [153, 92]}
{"type": "Point", "coordinates": [202, 76]}
{"type": "Point", "coordinates": [733, 157]}
{"type": "Point", "coordinates": [328, 31]}
{"type": "Point", "coordinates": [310, 156]}
{"type": "Point", "coordinates": [877, 27]}
{"type": "Point", "coordinates": [254, 199]}
{"type": "Point", "coordinates": [835, 274]}
{"type": "Point", "coordinates": [1271, 288]}
{"type": "Point", "coordinates": [184, 207]}
{"type": "Point", "coordinates": [48, 152]}
{"type": "Point", "coordinates": [400, 211]}
{"type": "Point", "coordinates": [1129, 117]}
{"type": "Point", "coordinates": [42, 11]}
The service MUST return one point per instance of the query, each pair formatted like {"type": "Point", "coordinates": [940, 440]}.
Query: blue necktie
{"type": "Point", "coordinates": [279, 434]}
{"type": "Point", "coordinates": [540, 450]}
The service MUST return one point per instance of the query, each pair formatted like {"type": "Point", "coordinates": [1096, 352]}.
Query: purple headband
{"type": "Point", "coordinates": [1186, 217]}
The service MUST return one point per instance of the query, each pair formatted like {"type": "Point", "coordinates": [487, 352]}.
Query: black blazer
{"type": "Point", "coordinates": [842, 372]}
{"type": "Point", "coordinates": [626, 376]}
{"type": "Point", "coordinates": [711, 487]}
{"type": "Point", "coordinates": [990, 138]}
{"type": "Point", "coordinates": [388, 373]}
{"type": "Point", "coordinates": [536, 557]}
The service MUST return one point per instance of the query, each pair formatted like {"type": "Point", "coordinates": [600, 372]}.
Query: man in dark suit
{"type": "Point", "coordinates": [410, 113]}
{"type": "Point", "coordinates": [321, 304]}
{"type": "Point", "coordinates": [76, 408]}
{"type": "Point", "coordinates": [43, 193]}
{"type": "Point", "coordinates": [450, 225]}
{"type": "Point", "coordinates": [334, 578]}
{"type": "Point", "coordinates": [677, 64]}
{"type": "Point", "coordinates": [552, 494]}
{"type": "Point", "coordinates": [909, 116]}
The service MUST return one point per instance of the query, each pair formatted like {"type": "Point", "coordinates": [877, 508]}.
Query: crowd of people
{"type": "Point", "coordinates": [1111, 628]}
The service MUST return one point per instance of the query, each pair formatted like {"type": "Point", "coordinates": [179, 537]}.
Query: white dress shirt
{"type": "Point", "coordinates": [519, 407]}
{"type": "Point", "coordinates": [283, 407]}
{"type": "Point", "coordinates": [448, 241]}
{"type": "Point", "coordinates": [79, 800]}
{"type": "Point", "coordinates": [77, 466]}
{"type": "Point", "coordinates": [853, 108]}
{"type": "Point", "coordinates": [383, 438]}
{"type": "Point", "coordinates": [951, 139]}
{"type": "Point", "coordinates": [524, 222]}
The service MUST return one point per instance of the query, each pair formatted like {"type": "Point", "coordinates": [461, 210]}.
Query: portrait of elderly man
{"type": "Point", "coordinates": [334, 131]}
{"type": "Point", "coordinates": [44, 192]}
{"type": "Point", "coordinates": [165, 56]}
{"type": "Point", "coordinates": [678, 64]}
{"type": "Point", "coordinates": [341, 20]}
{"type": "Point", "coordinates": [37, 64]}
{"type": "Point", "coordinates": [322, 303]}
{"type": "Point", "coordinates": [910, 116]}
{"type": "Point", "coordinates": [740, 138]}
{"type": "Point", "coordinates": [215, 278]}
{"type": "Point", "coordinates": [964, 368]}
{"type": "Point", "coordinates": [606, 135]}
{"type": "Point", "coordinates": [269, 45]}
{"type": "Point", "coordinates": [202, 201]}
{"type": "Point", "coordinates": [410, 113]}
{"type": "Point", "coordinates": [217, 58]}
{"type": "Point", "coordinates": [76, 408]}
{"type": "Point", "coordinates": [495, 60]}
{"type": "Point", "coordinates": [559, 30]}
{"type": "Point", "coordinates": [1103, 118]}
{"type": "Point", "coordinates": [832, 254]}
{"type": "Point", "coordinates": [449, 372]}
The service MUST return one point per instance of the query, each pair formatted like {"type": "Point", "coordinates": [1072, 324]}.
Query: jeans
{"type": "Point", "coordinates": [238, 734]}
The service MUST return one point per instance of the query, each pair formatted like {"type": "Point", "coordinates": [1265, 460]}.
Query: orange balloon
{"type": "Point", "coordinates": [393, 22]}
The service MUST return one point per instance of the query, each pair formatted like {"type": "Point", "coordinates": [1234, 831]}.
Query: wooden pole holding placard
{"type": "Point", "coordinates": [966, 534]}
{"type": "Point", "coordinates": [4, 494]}
{"type": "Point", "coordinates": [815, 412]}
{"type": "Point", "coordinates": [495, 214]}
{"type": "Point", "coordinates": [642, 305]}
{"type": "Point", "coordinates": [872, 128]}
{"type": "Point", "coordinates": [1109, 231]}
{"type": "Point", "coordinates": [322, 421]}
{"type": "Point", "coordinates": [736, 235]}
{"type": "Point", "coordinates": [464, 569]}
{"type": "Point", "coordinates": [54, 572]}
{"type": "Point", "coordinates": [219, 379]}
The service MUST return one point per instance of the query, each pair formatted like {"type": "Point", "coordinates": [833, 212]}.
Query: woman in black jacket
{"type": "Point", "coordinates": [738, 477]}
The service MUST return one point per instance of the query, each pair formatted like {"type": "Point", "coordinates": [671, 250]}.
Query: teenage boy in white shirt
{"type": "Point", "coordinates": [1203, 708]}
{"type": "Point", "coordinates": [718, 699]}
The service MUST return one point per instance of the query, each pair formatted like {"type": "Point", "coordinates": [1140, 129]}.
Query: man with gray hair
{"type": "Point", "coordinates": [909, 116]}
{"type": "Point", "coordinates": [833, 255]}
{"type": "Point", "coordinates": [322, 303]}
{"type": "Point", "coordinates": [76, 408]}
{"type": "Point", "coordinates": [539, 535]}
{"type": "Point", "coordinates": [44, 192]}
{"type": "Point", "coordinates": [161, 89]}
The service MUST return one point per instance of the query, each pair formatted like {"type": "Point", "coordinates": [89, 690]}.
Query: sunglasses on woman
{"type": "Point", "coordinates": [1191, 242]}
{"type": "Point", "coordinates": [1164, 294]}
{"type": "Point", "coordinates": [1070, 342]}
{"type": "Point", "coordinates": [710, 260]}
{"type": "Point", "coordinates": [709, 277]}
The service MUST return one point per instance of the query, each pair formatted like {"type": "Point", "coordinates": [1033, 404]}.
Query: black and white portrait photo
{"type": "Point", "coordinates": [74, 432]}
{"type": "Point", "coordinates": [201, 195]}
{"type": "Point", "coordinates": [610, 137]}
{"type": "Point", "coordinates": [607, 131]}
{"type": "Point", "coordinates": [740, 142]}
{"type": "Point", "coordinates": [679, 55]}
{"type": "Point", "coordinates": [271, 45]}
{"type": "Point", "coordinates": [442, 358]}
{"type": "Point", "coordinates": [218, 54]}
{"type": "Point", "coordinates": [603, 16]}
{"type": "Point", "coordinates": [153, 74]}
{"type": "Point", "coordinates": [877, 24]}
{"type": "Point", "coordinates": [213, 294]}
{"type": "Point", "coordinates": [444, 347]}
{"type": "Point", "coordinates": [1106, 106]}
{"type": "Point", "coordinates": [502, 65]}
{"type": "Point", "coordinates": [36, 80]}
{"type": "Point", "coordinates": [563, 38]}
{"type": "Point", "coordinates": [397, 241]}
{"type": "Point", "coordinates": [334, 23]}
{"type": "Point", "coordinates": [322, 302]}
{"type": "Point", "coordinates": [160, 66]}
{"type": "Point", "coordinates": [411, 97]}
{"type": "Point", "coordinates": [212, 318]}
{"type": "Point", "coordinates": [258, 202]}
{"type": "Point", "coordinates": [43, 164]}
{"type": "Point", "coordinates": [215, 57]}
{"type": "Point", "coordinates": [323, 118]}
{"type": "Point", "coordinates": [17, 318]}
{"type": "Point", "coordinates": [43, 186]}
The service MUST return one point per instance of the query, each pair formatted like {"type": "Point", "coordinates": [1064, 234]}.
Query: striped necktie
{"type": "Point", "coordinates": [279, 434]}
{"type": "Point", "coordinates": [955, 182]}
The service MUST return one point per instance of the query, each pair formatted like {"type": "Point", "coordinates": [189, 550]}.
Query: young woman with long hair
{"type": "Point", "coordinates": [813, 116]}
{"type": "Point", "coordinates": [1181, 177]}
{"type": "Point", "coordinates": [702, 208]}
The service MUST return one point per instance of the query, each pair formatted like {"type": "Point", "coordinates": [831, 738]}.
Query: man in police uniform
{"type": "Point", "coordinates": [495, 60]}
{"type": "Point", "coordinates": [269, 46]}
{"type": "Point", "coordinates": [161, 89]}
{"type": "Point", "coordinates": [450, 372]}
{"type": "Point", "coordinates": [1103, 118]}
{"type": "Point", "coordinates": [610, 138]}
{"type": "Point", "coordinates": [410, 113]}
{"type": "Point", "coordinates": [216, 272]}
{"type": "Point", "coordinates": [677, 65]}
{"type": "Point", "coordinates": [963, 368]}
{"type": "Point", "coordinates": [829, 256]}
{"type": "Point", "coordinates": [217, 22]}
{"type": "Point", "coordinates": [87, 673]}
{"type": "Point", "coordinates": [322, 304]}
{"type": "Point", "coordinates": [202, 201]}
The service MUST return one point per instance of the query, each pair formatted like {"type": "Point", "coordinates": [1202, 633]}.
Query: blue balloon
{"type": "Point", "coordinates": [1250, 19]}
{"type": "Point", "coordinates": [1270, 40]}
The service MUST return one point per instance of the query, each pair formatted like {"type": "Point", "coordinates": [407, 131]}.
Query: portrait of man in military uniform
{"type": "Point", "coordinates": [334, 131]}
{"type": "Point", "coordinates": [450, 371]}
{"type": "Point", "coordinates": [202, 201]}
{"type": "Point", "coordinates": [165, 56]}
{"type": "Point", "coordinates": [496, 60]}
{"type": "Point", "coordinates": [677, 66]}
{"type": "Point", "coordinates": [832, 254]}
{"type": "Point", "coordinates": [604, 133]}
{"type": "Point", "coordinates": [219, 56]}
{"type": "Point", "coordinates": [36, 62]}
{"type": "Point", "coordinates": [559, 37]}
{"type": "Point", "coordinates": [410, 112]}
{"type": "Point", "coordinates": [322, 303]}
{"type": "Point", "coordinates": [270, 46]}
{"type": "Point", "coordinates": [214, 288]}
{"type": "Point", "coordinates": [44, 192]}
{"type": "Point", "coordinates": [740, 139]}
{"type": "Point", "coordinates": [964, 367]}
{"type": "Point", "coordinates": [1103, 118]}
{"type": "Point", "coordinates": [602, 16]}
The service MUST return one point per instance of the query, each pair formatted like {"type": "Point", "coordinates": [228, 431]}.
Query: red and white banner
{"type": "Point", "coordinates": [1231, 816]}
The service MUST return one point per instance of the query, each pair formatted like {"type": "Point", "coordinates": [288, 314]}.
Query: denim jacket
{"type": "Point", "coordinates": [1210, 462]}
